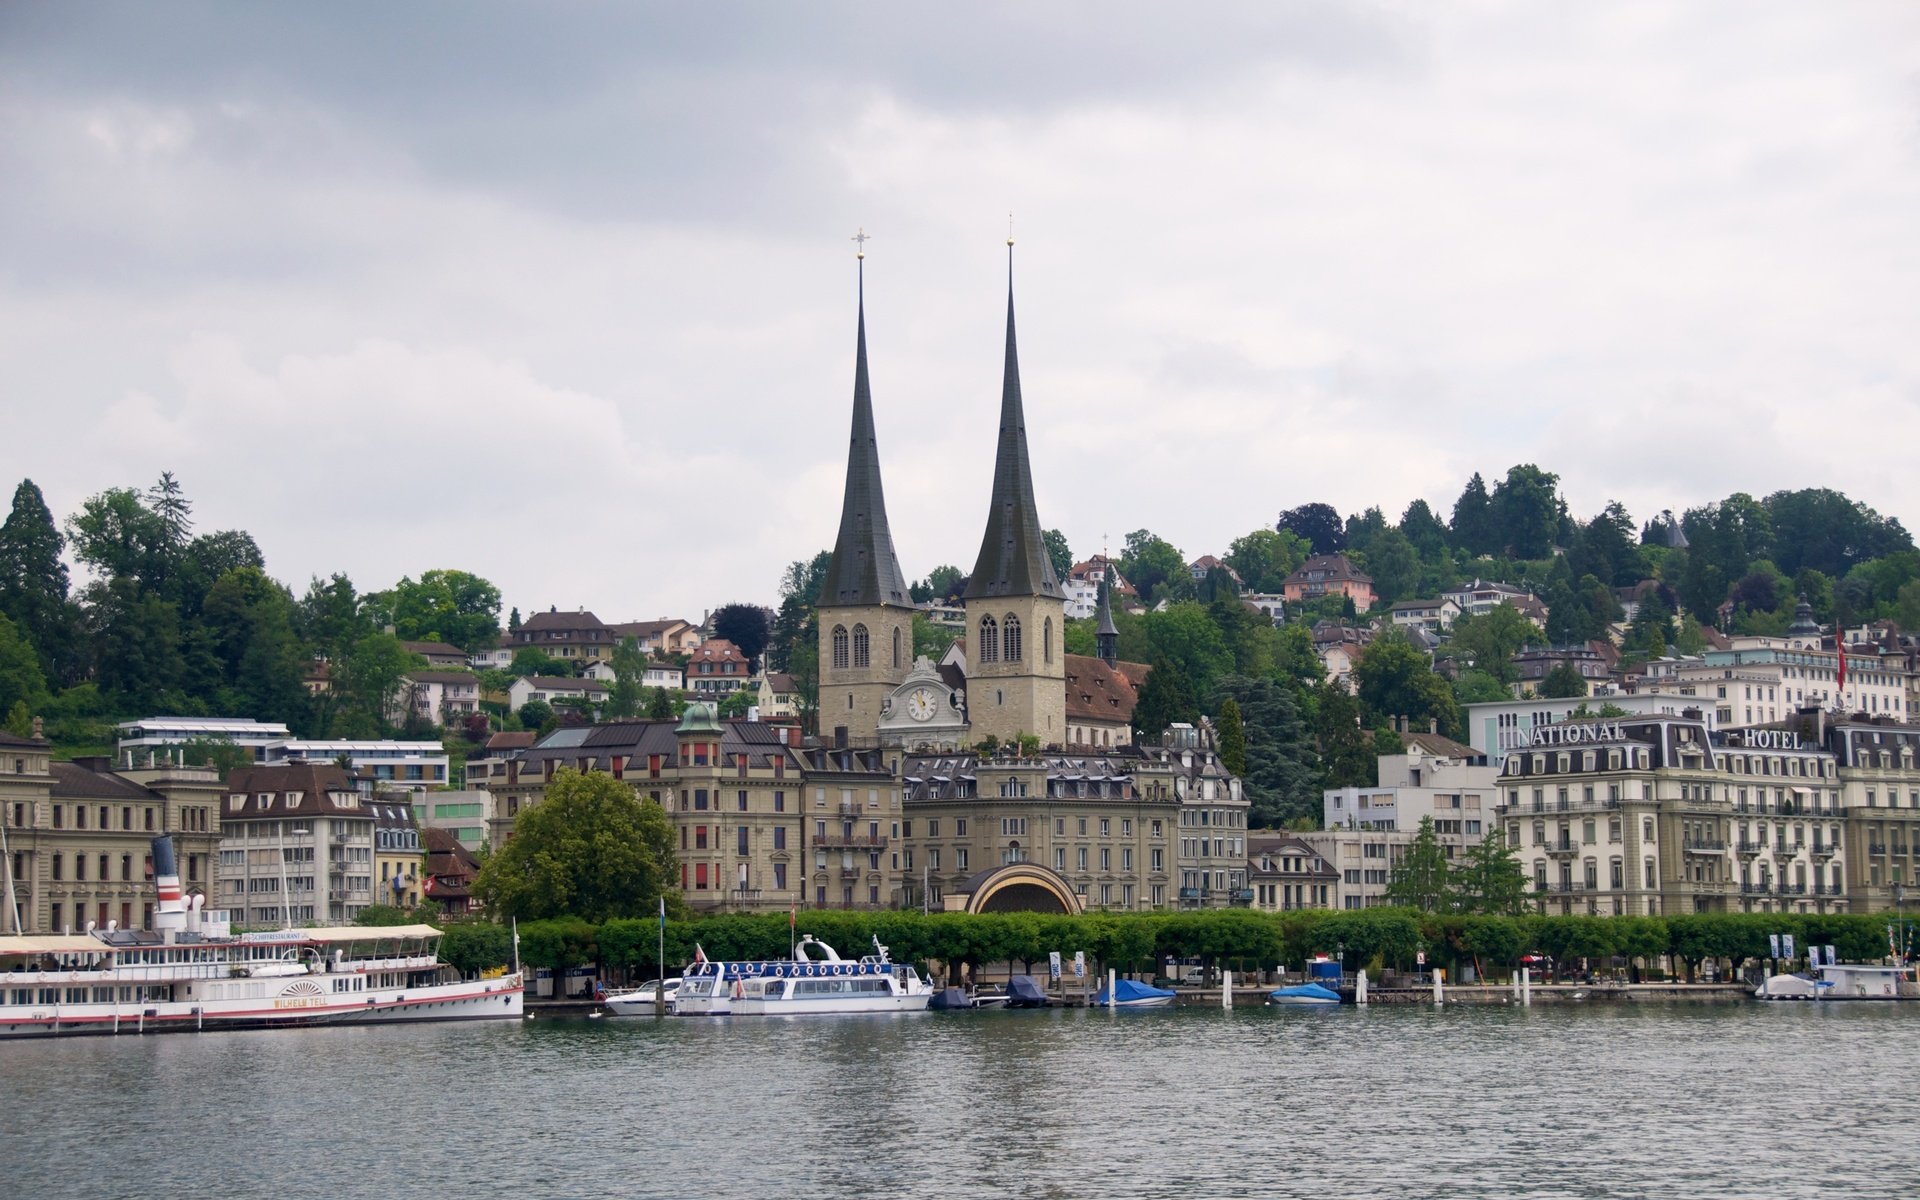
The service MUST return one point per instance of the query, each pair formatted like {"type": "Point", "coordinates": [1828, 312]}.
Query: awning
{"type": "Point", "coordinates": [53, 944]}
{"type": "Point", "coordinates": [368, 933]}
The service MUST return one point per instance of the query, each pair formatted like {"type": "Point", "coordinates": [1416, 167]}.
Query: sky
{"type": "Point", "coordinates": [563, 294]}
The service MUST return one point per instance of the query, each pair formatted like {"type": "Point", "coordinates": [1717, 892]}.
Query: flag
{"type": "Point", "coordinates": [699, 955]}
{"type": "Point", "coordinates": [663, 914]}
{"type": "Point", "coordinates": [1840, 644]}
{"type": "Point", "coordinates": [793, 914]}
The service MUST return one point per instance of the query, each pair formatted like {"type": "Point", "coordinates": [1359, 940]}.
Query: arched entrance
{"type": "Point", "coordinates": [1017, 887]}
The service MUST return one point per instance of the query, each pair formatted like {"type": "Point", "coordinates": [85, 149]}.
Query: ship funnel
{"type": "Point", "coordinates": [170, 915]}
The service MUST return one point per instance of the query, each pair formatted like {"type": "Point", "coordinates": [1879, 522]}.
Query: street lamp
{"type": "Point", "coordinates": [1900, 923]}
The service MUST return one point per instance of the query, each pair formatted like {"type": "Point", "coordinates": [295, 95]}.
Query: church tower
{"type": "Point", "coordinates": [866, 617]}
{"type": "Point", "coordinates": [1016, 608]}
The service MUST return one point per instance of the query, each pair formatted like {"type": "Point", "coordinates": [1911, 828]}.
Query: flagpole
{"type": "Point", "coordinates": [660, 980]}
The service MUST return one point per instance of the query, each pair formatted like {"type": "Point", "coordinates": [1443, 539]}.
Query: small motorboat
{"type": "Point", "coordinates": [951, 999]}
{"type": "Point", "coordinates": [1304, 994]}
{"type": "Point", "coordinates": [1023, 992]}
{"type": "Point", "coordinates": [1128, 993]}
{"type": "Point", "coordinates": [638, 1002]}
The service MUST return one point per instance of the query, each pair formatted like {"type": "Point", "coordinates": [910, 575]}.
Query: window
{"type": "Point", "coordinates": [1010, 639]}
{"type": "Point", "coordinates": [960, 859]}
{"type": "Point", "coordinates": [742, 840]}
{"type": "Point", "coordinates": [860, 658]}
{"type": "Point", "coordinates": [780, 872]}
{"type": "Point", "coordinates": [1046, 639]}
{"type": "Point", "coordinates": [779, 837]}
{"type": "Point", "coordinates": [896, 645]}
{"type": "Point", "coordinates": [840, 647]}
{"type": "Point", "coordinates": [989, 640]}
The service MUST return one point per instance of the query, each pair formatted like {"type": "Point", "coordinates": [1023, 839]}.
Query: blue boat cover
{"type": "Point", "coordinates": [1023, 992]}
{"type": "Point", "coordinates": [1305, 991]}
{"type": "Point", "coordinates": [949, 1000]}
{"type": "Point", "coordinates": [1127, 989]}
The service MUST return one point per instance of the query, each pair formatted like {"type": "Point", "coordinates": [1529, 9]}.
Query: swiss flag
{"type": "Point", "coordinates": [1840, 644]}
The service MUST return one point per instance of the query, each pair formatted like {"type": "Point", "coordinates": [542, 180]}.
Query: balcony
{"type": "Point", "coordinates": [1704, 846]}
{"type": "Point", "coordinates": [1755, 889]}
{"type": "Point", "coordinates": [744, 895]}
{"type": "Point", "coordinates": [861, 841]}
{"type": "Point", "coordinates": [1793, 889]}
{"type": "Point", "coordinates": [1192, 893]}
{"type": "Point", "coordinates": [850, 872]}
{"type": "Point", "coordinates": [1822, 851]}
{"type": "Point", "coordinates": [849, 808]}
{"type": "Point", "coordinates": [1787, 849]}
{"type": "Point", "coordinates": [1876, 847]}
{"type": "Point", "coordinates": [1825, 889]}
{"type": "Point", "coordinates": [1748, 849]}
{"type": "Point", "coordinates": [1241, 895]}
{"type": "Point", "coordinates": [1563, 849]}
{"type": "Point", "coordinates": [1900, 849]}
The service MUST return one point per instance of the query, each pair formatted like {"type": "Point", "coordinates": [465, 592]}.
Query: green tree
{"type": "Point", "coordinates": [745, 625]}
{"type": "Point", "coordinates": [1394, 565]}
{"type": "Point", "coordinates": [20, 679]}
{"type": "Point", "coordinates": [169, 504]}
{"type": "Point", "coordinates": [1527, 511]}
{"type": "Point", "coordinates": [1346, 752]}
{"type": "Point", "coordinates": [660, 705]}
{"type": "Point", "coordinates": [205, 560]}
{"type": "Point", "coordinates": [248, 619]}
{"type": "Point", "coordinates": [1473, 525]}
{"type": "Point", "coordinates": [118, 537]}
{"type": "Point", "coordinates": [135, 639]}
{"type": "Point", "coordinates": [1233, 737]}
{"type": "Point", "coordinates": [1424, 530]}
{"type": "Point", "coordinates": [1164, 698]}
{"type": "Point", "coordinates": [1279, 781]}
{"type": "Point", "coordinates": [1489, 640]}
{"type": "Point", "coordinates": [629, 670]}
{"type": "Point", "coordinates": [1491, 879]}
{"type": "Point", "coordinates": [1822, 529]}
{"type": "Point", "coordinates": [1187, 635]}
{"type": "Point", "coordinates": [1564, 681]}
{"type": "Point", "coordinates": [219, 753]}
{"type": "Point", "coordinates": [1318, 524]}
{"type": "Point", "coordinates": [34, 584]}
{"type": "Point", "coordinates": [932, 641]}
{"type": "Point", "coordinates": [1265, 557]}
{"type": "Point", "coordinates": [445, 606]}
{"type": "Point", "coordinates": [329, 618]}
{"type": "Point", "coordinates": [538, 716]}
{"type": "Point", "coordinates": [1058, 552]}
{"type": "Point", "coordinates": [373, 678]}
{"type": "Point", "coordinates": [591, 849]}
{"type": "Point", "coordinates": [531, 660]}
{"type": "Point", "coordinates": [736, 703]}
{"type": "Point", "coordinates": [1420, 880]}
{"type": "Point", "coordinates": [1150, 561]}
{"type": "Point", "coordinates": [1395, 680]}
{"type": "Point", "coordinates": [1478, 687]}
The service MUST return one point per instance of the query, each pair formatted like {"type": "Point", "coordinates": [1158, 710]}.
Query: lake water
{"type": "Point", "coordinates": [1624, 1101]}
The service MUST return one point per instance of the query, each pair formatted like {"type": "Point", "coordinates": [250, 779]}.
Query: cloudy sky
{"type": "Point", "coordinates": [563, 294]}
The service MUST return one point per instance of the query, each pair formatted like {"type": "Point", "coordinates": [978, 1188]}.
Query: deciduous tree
{"type": "Point", "coordinates": [592, 848]}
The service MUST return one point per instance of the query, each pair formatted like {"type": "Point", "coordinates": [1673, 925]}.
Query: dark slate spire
{"type": "Point", "coordinates": [1106, 638]}
{"type": "Point", "coordinates": [1013, 558]}
{"type": "Point", "coordinates": [864, 570]}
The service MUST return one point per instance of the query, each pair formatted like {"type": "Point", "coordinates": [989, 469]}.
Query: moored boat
{"type": "Point", "coordinates": [1842, 981]}
{"type": "Point", "coordinates": [1128, 993]}
{"type": "Point", "coordinates": [1304, 994]}
{"type": "Point", "coordinates": [192, 973]}
{"type": "Point", "coordinates": [640, 1001]}
{"type": "Point", "coordinates": [803, 985]}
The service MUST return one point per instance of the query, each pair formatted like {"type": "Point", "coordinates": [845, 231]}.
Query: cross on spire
{"type": "Point", "coordinates": [861, 239]}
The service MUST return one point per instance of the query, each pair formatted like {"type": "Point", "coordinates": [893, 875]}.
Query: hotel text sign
{"type": "Point", "coordinates": [1578, 735]}
{"type": "Point", "coordinates": [1774, 739]}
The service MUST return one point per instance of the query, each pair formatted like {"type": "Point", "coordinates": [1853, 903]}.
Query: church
{"type": "Point", "coordinates": [1019, 783]}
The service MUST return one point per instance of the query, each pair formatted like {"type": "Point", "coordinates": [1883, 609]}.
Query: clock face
{"type": "Point", "coordinates": [920, 704]}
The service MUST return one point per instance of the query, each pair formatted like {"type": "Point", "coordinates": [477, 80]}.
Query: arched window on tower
{"type": "Point", "coordinates": [896, 646]}
{"type": "Point", "coordinates": [989, 640]}
{"type": "Point", "coordinates": [840, 647]}
{"type": "Point", "coordinates": [1010, 639]}
{"type": "Point", "coordinates": [1046, 639]}
{"type": "Point", "coordinates": [860, 657]}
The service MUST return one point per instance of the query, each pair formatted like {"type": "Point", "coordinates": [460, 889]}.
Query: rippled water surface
{"type": "Point", "coordinates": [1617, 1101]}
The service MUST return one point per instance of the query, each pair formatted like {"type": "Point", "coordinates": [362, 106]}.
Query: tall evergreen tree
{"type": "Point", "coordinates": [33, 583]}
{"type": "Point", "coordinates": [1420, 880]}
{"type": "Point", "coordinates": [1491, 879]}
{"type": "Point", "coordinates": [1280, 780]}
{"type": "Point", "coordinates": [1165, 697]}
{"type": "Point", "coordinates": [1346, 752]}
{"type": "Point", "coordinates": [629, 672]}
{"type": "Point", "coordinates": [1233, 737]}
{"type": "Point", "coordinates": [1473, 529]}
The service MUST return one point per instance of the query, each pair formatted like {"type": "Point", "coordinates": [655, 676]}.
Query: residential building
{"type": "Point", "coordinates": [780, 696]}
{"type": "Point", "coordinates": [296, 846]}
{"type": "Point", "coordinates": [658, 674]}
{"type": "Point", "coordinates": [549, 690]}
{"type": "Point", "coordinates": [1762, 680]}
{"type": "Point", "coordinates": [1482, 596]}
{"type": "Point", "coordinates": [438, 654]}
{"type": "Point", "coordinates": [1339, 647]}
{"type": "Point", "coordinates": [1535, 663]}
{"type": "Point", "coordinates": [397, 852]}
{"type": "Point", "coordinates": [1272, 605]}
{"type": "Point", "coordinates": [1082, 586]}
{"type": "Point", "coordinates": [415, 765]}
{"type": "Point", "coordinates": [1329, 575]}
{"type": "Point", "coordinates": [79, 836]}
{"type": "Point", "coordinates": [461, 815]}
{"type": "Point", "coordinates": [716, 668]}
{"type": "Point", "coordinates": [437, 697]}
{"type": "Point", "coordinates": [1365, 860]}
{"type": "Point", "coordinates": [150, 740]}
{"type": "Point", "coordinates": [494, 658]}
{"type": "Point", "coordinates": [1434, 778]}
{"type": "Point", "coordinates": [1288, 874]}
{"type": "Point", "coordinates": [575, 636]}
{"type": "Point", "coordinates": [1100, 700]}
{"type": "Point", "coordinates": [668, 635]}
{"type": "Point", "coordinates": [1203, 566]}
{"type": "Point", "coordinates": [1433, 616]}
{"type": "Point", "coordinates": [450, 871]}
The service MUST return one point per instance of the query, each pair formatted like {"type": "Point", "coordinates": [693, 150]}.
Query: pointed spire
{"type": "Point", "coordinates": [1106, 638]}
{"type": "Point", "coordinates": [1013, 557]}
{"type": "Point", "coordinates": [864, 569]}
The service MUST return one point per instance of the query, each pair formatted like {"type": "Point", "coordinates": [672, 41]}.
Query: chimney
{"type": "Point", "coordinates": [1433, 725]}
{"type": "Point", "coordinates": [39, 729]}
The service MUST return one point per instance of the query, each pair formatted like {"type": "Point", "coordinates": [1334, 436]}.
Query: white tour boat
{"type": "Point", "coordinates": [192, 973]}
{"type": "Point", "coordinates": [829, 984]}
